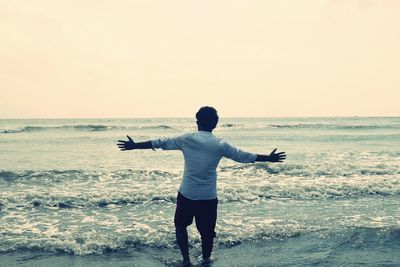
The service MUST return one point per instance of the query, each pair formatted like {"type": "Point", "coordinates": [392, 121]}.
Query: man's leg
{"type": "Point", "coordinates": [182, 240]}
{"type": "Point", "coordinates": [183, 218]}
{"type": "Point", "coordinates": [206, 218]}
{"type": "Point", "coordinates": [207, 241]}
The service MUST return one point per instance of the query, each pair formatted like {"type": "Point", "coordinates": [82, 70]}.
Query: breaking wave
{"type": "Point", "coordinates": [333, 126]}
{"type": "Point", "coordinates": [308, 171]}
{"type": "Point", "coordinates": [231, 125]}
{"type": "Point", "coordinates": [238, 183]}
{"type": "Point", "coordinates": [86, 127]}
{"type": "Point", "coordinates": [94, 243]}
{"type": "Point", "coordinates": [313, 170]}
{"type": "Point", "coordinates": [30, 200]}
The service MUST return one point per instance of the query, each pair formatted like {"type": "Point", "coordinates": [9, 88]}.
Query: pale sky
{"type": "Point", "coordinates": [125, 58]}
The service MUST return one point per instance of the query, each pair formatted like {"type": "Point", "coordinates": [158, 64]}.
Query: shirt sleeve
{"type": "Point", "coordinates": [238, 155]}
{"type": "Point", "coordinates": [169, 143]}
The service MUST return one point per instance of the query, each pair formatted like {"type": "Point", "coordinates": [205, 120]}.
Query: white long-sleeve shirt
{"type": "Point", "coordinates": [202, 152]}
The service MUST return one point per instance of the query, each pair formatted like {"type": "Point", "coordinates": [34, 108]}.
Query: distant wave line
{"type": "Point", "coordinates": [334, 126]}
{"type": "Point", "coordinates": [288, 126]}
{"type": "Point", "coordinates": [86, 127]}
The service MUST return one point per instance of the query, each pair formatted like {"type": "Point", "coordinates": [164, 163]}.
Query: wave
{"type": "Point", "coordinates": [298, 125]}
{"type": "Point", "coordinates": [292, 189]}
{"type": "Point", "coordinates": [103, 195]}
{"type": "Point", "coordinates": [54, 176]}
{"type": "Point", "coordinates": [99, 244]}
{"type": "Point", "coordinates": [313, 170]}
{"type": "Point", "coordinates": [237, 183]}
{"type": "Point", "coordinates": [10, 176]}
{"type": "Point", "coordinates": [231, 125]}
{"type": "Point", "coordinates": [82, 188]}
{"type": "Point", "coordinates": [305, 170]}
{"type": "Point", "coordinates": [319, 189]}
{"type": "Point", "coordinates": [154, 127]}
{"type": "Point", "coordinates": [86, 127]}
{"type": "Point", "coordinates": [95, 243]}
{"type": "Point", "coordinates": [54, 200]}
{"type": "Point", "coordinates": [333, 126]}
{"type": "Point", "coordinates": [102, 127]}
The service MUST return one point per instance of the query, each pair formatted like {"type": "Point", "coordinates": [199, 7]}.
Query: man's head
{"type": "Point", "coordinates": [207, 118]}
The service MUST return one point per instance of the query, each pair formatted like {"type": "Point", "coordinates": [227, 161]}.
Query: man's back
{"type": "Point", "coordinates": [202, 152]}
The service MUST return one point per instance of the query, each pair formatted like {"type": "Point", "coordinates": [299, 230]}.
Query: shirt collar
{"type": "Point", "coordinates": [205, 132]}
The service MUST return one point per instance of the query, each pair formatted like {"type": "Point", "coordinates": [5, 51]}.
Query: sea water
{"type": "Point", "coordinates": [68, 196]}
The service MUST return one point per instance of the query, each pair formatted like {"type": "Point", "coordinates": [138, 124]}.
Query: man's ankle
{"type": "Point", "coordinates": [186, 262]}
{"type": "Point", "coordinates": [206, 262]}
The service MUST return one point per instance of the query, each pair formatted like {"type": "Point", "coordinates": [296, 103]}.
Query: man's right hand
{"type": "Point", "coordinates": [126, 145]}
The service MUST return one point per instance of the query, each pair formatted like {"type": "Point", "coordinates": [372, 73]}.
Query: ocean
{"type": "Point", "coordinates": [69, 197]}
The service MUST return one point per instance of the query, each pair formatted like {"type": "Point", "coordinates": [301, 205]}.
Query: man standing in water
{"type": "Point", "coordinates": [197, 195]}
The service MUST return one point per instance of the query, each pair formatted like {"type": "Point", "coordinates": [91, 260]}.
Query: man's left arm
{"type": "Point", "coordinates": [272, 157]}
{"type": "Point", "coordinates": [246, 157]}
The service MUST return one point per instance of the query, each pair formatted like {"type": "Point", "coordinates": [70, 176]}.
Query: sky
{"type": "Point", "coordinates": [157, 58]}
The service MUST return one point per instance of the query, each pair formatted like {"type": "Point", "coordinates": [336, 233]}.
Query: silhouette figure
{"type": "Point", "coordinates": [197, 195]}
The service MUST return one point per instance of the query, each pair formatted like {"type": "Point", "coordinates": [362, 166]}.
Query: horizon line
{"type": "Point", "coordinates": [178, 117]}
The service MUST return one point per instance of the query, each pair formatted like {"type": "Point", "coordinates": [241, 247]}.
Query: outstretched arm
{"type": "Point", "coordinates": [130, 144]}
{"type": "Point", "coordinates": [246, 157]}
{"type": "Point", "coordinates": [272, 157]}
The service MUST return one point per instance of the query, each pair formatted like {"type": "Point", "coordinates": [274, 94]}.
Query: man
{"type": "Point", "coordinates": [197, 195]}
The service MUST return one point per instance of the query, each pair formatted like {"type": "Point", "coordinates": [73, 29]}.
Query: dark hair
{"type": "Point", "coordinates": [207, 118]}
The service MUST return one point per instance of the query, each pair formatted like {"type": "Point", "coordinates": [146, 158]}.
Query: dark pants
{"type": "Point", "coordinates": [205, 214]}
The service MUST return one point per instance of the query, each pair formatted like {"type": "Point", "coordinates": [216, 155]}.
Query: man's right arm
{"type": "Point", "coordinates": [171, 143]}
{"type": "Point", "coordinates": [130, 144]}
{"type": "Point", "coordinates": [143, 145]}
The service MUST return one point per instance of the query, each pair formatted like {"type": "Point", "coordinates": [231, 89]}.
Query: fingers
{"type": "Point", "coordinates": [273, 151]}
{"type": "Point", "coordinates": [279, 157]}
{"type": "Point", "coordinates": [122, 145]}
{"type": "Point", "coordinates": [125, 145]}
{"type": "Point", "coordinates": [122, 148]}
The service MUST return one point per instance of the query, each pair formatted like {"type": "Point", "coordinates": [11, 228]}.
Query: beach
{"type": "Point", "coordinates": [69, 197]}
